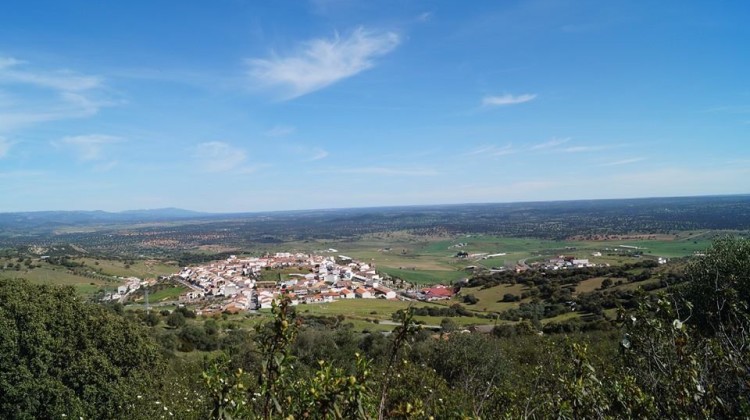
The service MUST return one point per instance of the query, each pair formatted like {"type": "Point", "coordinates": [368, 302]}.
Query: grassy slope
{"type": "Point", "coordinates": [58, 276]}
{"type": "Point", "coordinates": [141, 268]}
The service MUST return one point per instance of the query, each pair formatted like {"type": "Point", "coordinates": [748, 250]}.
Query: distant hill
{"type": "Point", "coordinates": [168, 213]}
{"type": "Point", "coordinates": [52, 219]}
{"type": "Point", "coordinates": [551, 220]}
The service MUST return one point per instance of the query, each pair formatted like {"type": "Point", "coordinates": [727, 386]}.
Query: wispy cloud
{"type": "Point", "coordinates": [425, 17]}
{"type": "Point", "coordinates": [106, 166]}
{"type": "Point", "coordinates": [491, 150]}
{"type": "Point", "coordinates": [318, 154]}
{"type": "Point", "coordinates": [35, 95]}
{"type": "Point", "coordinates": [321, 62]}
{"type": "Point", "coordinates": [387, 171]}
{"type": "Point", "coordinates": [280, 131]}
{"type": "Point", "coordinates": [7, 62]}
{"type": "Point", "coordinates": [729, 109]}
{"type": "Point", "coordinates": [507, 99]}
{"type": "Point", "coordinates": [60, 80]}
{"type": "Point", "coordinates": [551, 144]}
{"type": "Point", "coordinates": [307, 153]}
{"type": "Point", "coordinates": [595, 148]}
{"type": "Point", "coordinates": [87, 147]}
{"type": "Point", "coordinates": [623, 161]}
{"type": "Point", "coordinates": [5, 146]}
{"type": "Point", "coordinates": [21, 174]}
{"type": "Point", "coordinates": [217, 156]}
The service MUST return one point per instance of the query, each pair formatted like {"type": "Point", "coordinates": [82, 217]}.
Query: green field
{"type": "Point", "coordinates": [431, 260]}
{"type": "Point", "coordinates": [365, 310]}
{"type": "Point", "coordinates": [59, 276]}
{"type": "Point", "coordinates": [590, 285]}
{"type": "Point", "coordinates": [425, 276]}
{"type": "Point", "coordinates": [169, 293]}
{"type": "Point", "coordinates": [142, 269]}
{"type": "Point", "coordinates": [670, 249]}
{"type": "Point", "coordinates": [490, 299]}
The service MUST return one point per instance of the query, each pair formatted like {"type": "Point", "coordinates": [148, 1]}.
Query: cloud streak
{"type": "Point", "coordinates": [280, 131]}
{"type": "Point", "coordinates": [87, 147]}
{"type": "Point", "coordinates": [5, 146]}
{"type": "Point", "coordinates": [217, 156]}
{"type": "Point", "coordinates": [387, 171]}
{"type": "Point", "coordinates": [321, 62]}
{"type": "Point", "coordinates": [491, 150]}
{"type": "Point", "coordinates": [624, 161]}
{"type": "Point", "coordinates": [551, 144]}
{"type": "Point", "coordinates": [583, 149]}
{"type": "Point", "coordinates": [508, 99]}
{"type": "Point", "coordinates": [35, 96]}
{"type": "Point", "coordinates": [318, 154]}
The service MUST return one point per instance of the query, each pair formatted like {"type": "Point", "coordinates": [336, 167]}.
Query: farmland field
{"type": "Point", "coordinates": [140, 268]}
{"type": "Point", "coordinates": [59, 276]}
{"type": "Point", "coordinates": [425, 277]}
{"type": "Point", "coordinates": [490, 299]}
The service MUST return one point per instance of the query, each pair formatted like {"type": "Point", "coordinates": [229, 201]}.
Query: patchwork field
{"type": "Point", "coordinates": [418, 260]}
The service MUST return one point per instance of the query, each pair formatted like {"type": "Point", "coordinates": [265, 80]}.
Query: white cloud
{"type": "Point", "coordinates": [21, 174]}
{"type": "Point", "coordinates": [380, 170]}
{"type": "Point", "coordinates": [321, 62]}
{"type": "Point", "coordinates": [87, 147]}
{"type": "Point", "coordinates": [64, 80]}
{"type": "Point", "coordinates": [7, 62]}
{"type": "Point", "coordinates": [581, 149]}
{"type": "Point", "coordinates": [551, 144]}
{"type": "Point", "coordinates": [106, 166]}
{"type": "Point", "coordinates": [508, 99]}
{"type": "Point", "coordinates": [280, 131]}
{"type": "Point", "coordinates": [623, 161]}
{"type": "Point", "coordinates": [318, 154]}
{"type": "Point", "coordinates": [425, 17]}
{"type": "Point", "coordinates": [5, 146]}
{"type": "Point", "coordinates": [491, 151]}
{"type": "Point", "coordinates": [217, 156]}
{"type": "Point", "coordinates": [251, 169]}
{"type": "Point", "coordinates": [307, 153]}
{"type": "Point", "coordinates": [34, 96]}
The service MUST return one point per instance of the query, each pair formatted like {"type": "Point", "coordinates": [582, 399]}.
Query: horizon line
{"type": "Point", "coordinates": [199, 213]}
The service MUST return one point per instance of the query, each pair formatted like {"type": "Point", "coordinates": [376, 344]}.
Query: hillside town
{"type": "Point", "coordinates": [241, 283]}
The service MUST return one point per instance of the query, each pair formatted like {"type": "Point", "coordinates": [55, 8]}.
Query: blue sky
{"type": "Point", "coordinates": [234, 105]}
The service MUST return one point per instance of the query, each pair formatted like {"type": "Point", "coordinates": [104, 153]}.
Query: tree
{"type": "Point", "coordinates": [718, 289]}
{"type": "Point", "coordinates": [176, 319]}
{"type": "Point", "coordinates": [690, 347]}
{"type": "Point", "coordinates": [151, 319]}
{"type": "Point", "coordinates": [470, 299]}
{"type": "Point", "coordinates": [60, 356]}
{"type": "Point", "coordinates": [448, 325]}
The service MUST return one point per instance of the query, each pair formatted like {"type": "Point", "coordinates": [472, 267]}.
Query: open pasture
{"type": "Point", "coordinates": [139, 268]}
{"type": "Point", "coordinates": [490, 299]}
{"type": "Point", "coordinates": [59, 276]}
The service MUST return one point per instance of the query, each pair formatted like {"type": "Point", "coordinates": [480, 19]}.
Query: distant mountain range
{"type": "Point", "coordinates": [707, 212]}
{"type": "Point", "coordinates": [37, 219]}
